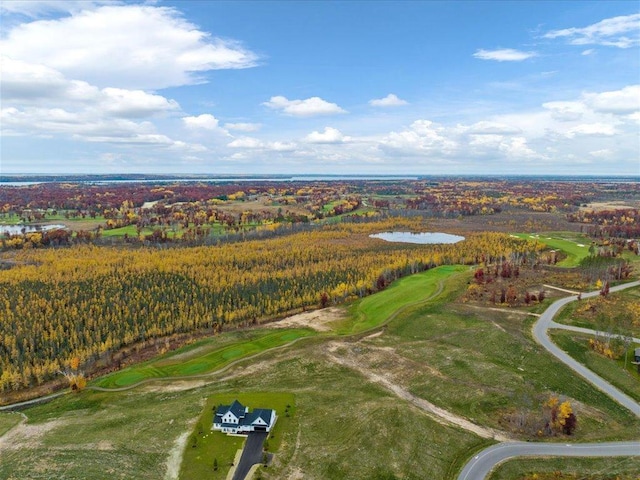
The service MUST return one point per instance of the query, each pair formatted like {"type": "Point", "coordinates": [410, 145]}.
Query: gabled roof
{"type": "Point", "coordinates": [236, 408]}
{"type": "Point", "coordinates": [263, 414]}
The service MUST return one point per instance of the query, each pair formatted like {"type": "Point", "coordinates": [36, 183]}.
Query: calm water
{"type": "Point", "coordinates": [424, 238]}
{"type": "Point", "coordinates": [18, 229]}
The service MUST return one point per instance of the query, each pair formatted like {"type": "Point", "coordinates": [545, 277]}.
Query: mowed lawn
{"type": "Point", "coordinates": [203, 359]}
{"type": "Point", "coordinates": [574, 245]}
{"type": "Point", "coordinates": [218, 447]}
{"type": "Point", "coordinates": [375, 310]}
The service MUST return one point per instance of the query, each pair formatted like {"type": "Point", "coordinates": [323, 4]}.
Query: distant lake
{"type": "Point", "coordinates": [18, 229]}
{"type": "Point", "coordinates": [423, 238]}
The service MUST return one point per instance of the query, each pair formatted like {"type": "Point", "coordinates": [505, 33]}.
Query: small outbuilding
{"type": "Point", "coordinates": [236, 418]}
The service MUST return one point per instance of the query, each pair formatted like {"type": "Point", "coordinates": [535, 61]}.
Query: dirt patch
{"type": "Point", "coordinates": [174, 386]}
{"type": "Point", "coordinates": [373, 335]}
{"type": "Point", "coordinates": [438, 414]}
{"type": "Point", "coordinates": [175, 457]}
{"type": "Point", "coordinates": [26, 436]}
{"type": "Point", "coordinates": [318, 320]}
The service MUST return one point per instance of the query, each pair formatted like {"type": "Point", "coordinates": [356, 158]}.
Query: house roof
{"type": "Point", "coordinates": [236, 408]}
{"type": "Point", "coordinates": [259, 416]}
{"type": "Point", "coordinates": [263, 413]}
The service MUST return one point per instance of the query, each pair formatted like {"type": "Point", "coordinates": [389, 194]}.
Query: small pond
{"type": "Point", "coordinates": [426, 237]}
{"type": "Point", "coordinates": [19, 229]}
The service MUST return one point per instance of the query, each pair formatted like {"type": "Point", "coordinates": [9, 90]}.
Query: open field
{"type": "Point", "coordinates": [625, 468]}
{"type": "Point", "coordinates": [434, 352]}
{"type": "Point", "coordinates": [613, 371]}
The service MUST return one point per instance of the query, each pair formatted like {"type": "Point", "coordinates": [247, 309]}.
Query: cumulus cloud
{"type": "Point", "coordinates": [95, 46]}
{"type": "Point", "coordinates": [43, 101]}
{"type": "Point", "coordinates": [246, 142]}
{"type": "Point", "coordinates": [423, 137]}
{"type": "Point", "coordinates": [243, 127]}
{"type": "Point", "coordinates": [135, 103]}
{"type": "Point", "coordinates": [621, 32]}
{"type": "Point", "coordinates": [309, 107]}
{"type": "Point", "coordinates": [205, 121]}
{"type": "Point", "coordinates": [390, 100]}
{"type": "Point", "coordinates": [622, 102]}
{"type": "Point", "coordinates": [330, 135]}
{"type": "Point", "coordinates": [504, 55]}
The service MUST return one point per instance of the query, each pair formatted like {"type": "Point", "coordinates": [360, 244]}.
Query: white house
{"type": "Point", "coordinates": [236, 418]}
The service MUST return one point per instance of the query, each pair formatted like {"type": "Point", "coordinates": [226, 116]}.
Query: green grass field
{"type": "Point", "coordinates": [375, 310]}
{"type": "Point", "coordinates": [209, 357]}
{"type": "Point", "coordinates": [574, 245]}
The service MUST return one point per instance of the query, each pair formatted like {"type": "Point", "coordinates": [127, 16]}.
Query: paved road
{"type": "Point", "coordinates": [251, 454]}
{"type": "Point", "coordinates": [35, 401]}
{"type": "Point", "coordinates": [479, 467]}
{"type": "Point", "coordinates": [482, 464]}
{"type": "Point", "coordinates": [588, 331]}
{"type": "Point", "coordinates": [540, 334]}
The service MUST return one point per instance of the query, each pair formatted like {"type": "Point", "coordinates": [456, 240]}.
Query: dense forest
{"type": "Point", "coordinates": [88, 301]}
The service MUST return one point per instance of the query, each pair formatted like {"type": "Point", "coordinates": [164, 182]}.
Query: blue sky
{"type": "Point", "coordinates": [358, 87]}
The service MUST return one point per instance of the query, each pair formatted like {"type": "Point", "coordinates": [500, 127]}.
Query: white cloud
{"type": "Point", "coordinates": [243, 127]}
{"type": "Point", "coordinates": [246, 142]}
{"type": "Point", "coordinates": [589, 51]}
{"type": "Point", "coordinates": [390, 100]}
{"type": "Point", "coordinates": [423, 137]}
{"type": "Point", "coordinates": [566, 111]}
{"type": "Point", "coordinates": [96, 46]}
{"type": "Point", "coordinates": [330, 135]}
{"type": "Point", "coordinates": [504, 55]}
{"type": "Point", "coordinates": [309, 107]}
{"type": "Point", "coordinates": [624, 101]}
{"type": "Point", "coordinates": [621, 32]}
{"type": "Point", "coordinates": [205, 121]}
{"type": "Point", "coordinates": [281, 146]}
{"type": "Point", "coordinates": [135, 103]}
{"type": "Point", "coordinates": [602, 129]}
{"type": "Point", "coordinates": [56, 105]}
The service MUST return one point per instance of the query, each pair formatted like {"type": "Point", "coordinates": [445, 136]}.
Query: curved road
{"type": "Point", "coordinates": [479, 467]}
{"type": "Point", "coordinates": [482, 464]}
